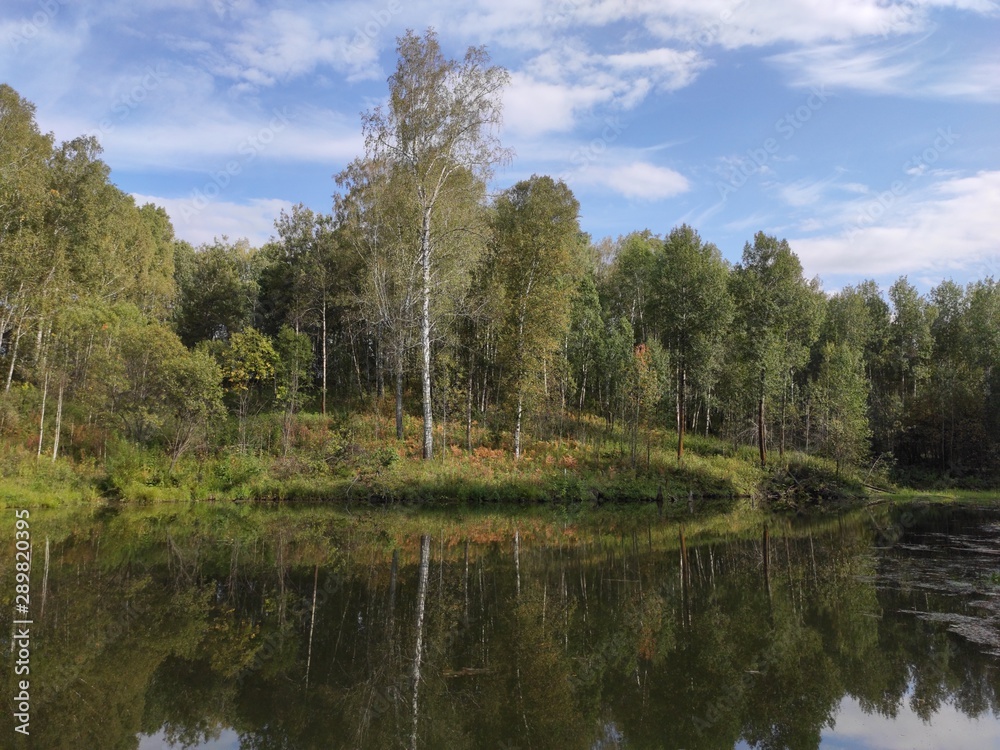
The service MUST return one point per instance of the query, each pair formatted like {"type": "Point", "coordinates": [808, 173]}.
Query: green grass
{"type": "Point", "coordinates": [355, 458]}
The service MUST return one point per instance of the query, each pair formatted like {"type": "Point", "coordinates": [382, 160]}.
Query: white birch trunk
{"type": "Point", "coordinates": [425, 557]}
{"type": "Point", "coordinates": [425, 333]}
{"type": "Point", "coordinates": [59, 407]}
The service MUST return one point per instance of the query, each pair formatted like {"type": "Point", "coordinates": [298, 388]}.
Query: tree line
{"type": "Point", "coordinates": [495, 315]}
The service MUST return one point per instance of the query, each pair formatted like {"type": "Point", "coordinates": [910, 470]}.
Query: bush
{"type": "Point", "coordinates": [237, 470]}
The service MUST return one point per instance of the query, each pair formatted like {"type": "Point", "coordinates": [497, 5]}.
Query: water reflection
{"type": "Point", "coordinates": [256, 628]}
{"type": "Point", "coordinates": [857, 729]}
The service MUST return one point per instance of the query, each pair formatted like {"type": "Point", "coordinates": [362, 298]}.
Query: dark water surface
{"type": "Point", "coordinates": [236, 627]}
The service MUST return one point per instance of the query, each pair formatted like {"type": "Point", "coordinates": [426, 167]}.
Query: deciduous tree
{"type": "Point", "coordinates": [441, 125]}
{"type": "Point", "coordinates": [691, 308]}
{"type": "Point", "coordinates": [534, 257]}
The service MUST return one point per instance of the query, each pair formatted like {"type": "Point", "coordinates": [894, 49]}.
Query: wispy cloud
{"type": "Point", "coordinates": [635, 180]}
{"type": "Point", "coordinates": [555, 88]}
{"type": "Point", "coordinates": [952, 225]}
{"type": "Point", "coordinates": [913, 70]}
{"type": "Point", "coordinates": [594, 84]}
{"type": "Point", "coordinates": [196, 223]}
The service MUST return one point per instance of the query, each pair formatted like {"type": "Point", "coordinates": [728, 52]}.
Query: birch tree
{"type": "Point", "coordinates": [776, 317]}
{"type": "Point", "coordinates": [692, 309]}
{"type": "Point", "coordinates": [534, 256]}
{"type": "Point", "coordinates": [379, 222]}
{"type": "Point", "coordinates": [441, 121]}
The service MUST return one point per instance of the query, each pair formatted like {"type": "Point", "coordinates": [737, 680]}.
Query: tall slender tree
{"type": "Point", "coordinates": [777, 316]}
{"type": "Point", "coordinates": [840, 404]}
{"type": "Point", "coordinates": [379, 222]}
{"type": "Point", "coordinates": [691, 308]}
{"type": "Point", "coordinates": [534, 257]}
{"type": "Point", "coordinates": [442, 121]}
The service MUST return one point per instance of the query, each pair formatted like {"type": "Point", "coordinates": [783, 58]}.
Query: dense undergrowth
{"type": "Point", "coordinates": [356, 458]}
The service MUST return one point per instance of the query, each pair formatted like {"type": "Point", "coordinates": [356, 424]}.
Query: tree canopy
{"type": "Point", "coordinates": [489, 310]}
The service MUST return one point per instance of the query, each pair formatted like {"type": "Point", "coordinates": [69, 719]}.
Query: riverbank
{"type": "Point", "coordinates": [355, 461]}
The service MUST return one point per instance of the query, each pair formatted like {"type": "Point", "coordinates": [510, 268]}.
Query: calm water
{"type": "Point", "coordinates": [229, 628]}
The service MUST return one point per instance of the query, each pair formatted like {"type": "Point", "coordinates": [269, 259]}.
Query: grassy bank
{"type": "Point", "coordinates": [357, 459]}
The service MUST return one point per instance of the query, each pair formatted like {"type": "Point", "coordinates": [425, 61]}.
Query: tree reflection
{"type": "Point", "coordinates": [217, 624]}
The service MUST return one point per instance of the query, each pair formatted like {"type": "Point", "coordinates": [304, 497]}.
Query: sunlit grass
{"type": "Point", "coordinates": [355, 458]}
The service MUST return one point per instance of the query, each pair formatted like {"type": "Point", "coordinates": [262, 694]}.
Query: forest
{"type": "Point", "coordinates": [427, 321]}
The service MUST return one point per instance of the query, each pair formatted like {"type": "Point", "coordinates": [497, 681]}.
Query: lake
{"type": "Point", "coordinates": [240, 626]}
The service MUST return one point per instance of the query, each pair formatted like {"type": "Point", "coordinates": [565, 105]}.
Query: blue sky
{"type": "Point", "coordinates": [866, 132]}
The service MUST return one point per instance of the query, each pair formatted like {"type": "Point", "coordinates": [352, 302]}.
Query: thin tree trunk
{"type": "Point", "coordinates": [41, 419]}
{"type": "Point", "coordinates": [379, 369]}
{"type": "Point", "coordinates": [13, 354]}
{"type": "Point", "coordinates": [517, 560]}
{"type": "Point", "coordinates": [357, 364]}
{"type": "Point", "coordinates": [45, 580]}
{"type": "Point", "coordinates": [784, 398]}
{"type": "Point", "coordinates": [517, 426]}
{"type": "Point", "coordinates": [322, 406]}
{"type": "Point", "coordinates": [425, 333]}
{"type": "Point", "coordinates": [59, 408]}
{"type": "Point", "coordinates": [677, 400]}
{"type": "Point", "coordinates": [399, 397]}
{"type": "Point", "coordinates": [425, 557]}
{"type": "Point", "coordinates": [39, 352]}
{"type": "Point", "coordinates": [312, 624]}
{"type": "Point", "coordinates": [708, 411]}
{"type": "Point", "coordinates": [761, 434]}
{"type": "Point", "coordinates": [468, 413]}
{"type": "Point", "coordinates": [444, 424]}
{"type": "Point", "coordinates": [682, 381]}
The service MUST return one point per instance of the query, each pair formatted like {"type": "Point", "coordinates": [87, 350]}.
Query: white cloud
{"type": "Point", "coordinates": [672, 69]}
{"type": "Point", "coordinates": [977, 81]}
{"type": "Point", "coordinates": [805, 192]}
{"type": "Point", "coordinates": [738, 23]}
{"type": "Point", "coordinates": [636, 180]}
{"type": "Point", "coordinates": [875, 69]}
{"type": "Point", "coordinates": [853, 44]}
{"type": "Point", "coordinates": [533, 107]}
{"type": "Point", "coordinates": [200, 137]}
{"type": "Point", "coordinates": [907, 731]}
{"type": "Point", "coordinates": [200, 221]}
{"type": "Point", "coordinates": [700, 24]}
{"type": "Point", "coordinates": [285, 44]}
{"type": "Point", "coordinates": [955, 224]}
{"type": "Point", "coordinates": [558, 86]}
{"type": "Point", "coordinates": [910, 70]}
{"type": "Point", "coordinates": [32, 47]}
